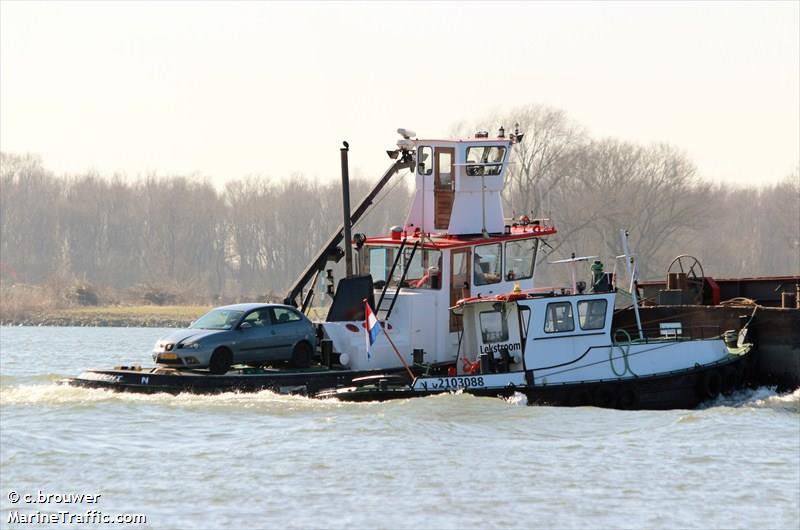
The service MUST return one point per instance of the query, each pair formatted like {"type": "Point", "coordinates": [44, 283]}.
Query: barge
{"type": "Point", "coordinates": [689, 297]}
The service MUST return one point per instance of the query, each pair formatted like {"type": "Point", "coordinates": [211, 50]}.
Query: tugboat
{"type": "Point", "coordinates": [454, 245]}
{"type": "Point", "coordinates": [559, 347]}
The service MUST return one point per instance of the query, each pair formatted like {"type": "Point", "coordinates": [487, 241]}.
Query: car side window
{"type": "Point", "coordinates": [285, 314]}
{"type": "Point", "coordinates": [258, 318]}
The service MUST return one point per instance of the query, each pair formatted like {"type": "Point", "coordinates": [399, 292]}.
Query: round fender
{"type": "Point", "coordinates": [628, 398]}
{"type": "Point", "coordinates": [741, 374]}
{"type": "Point", "coordinates": [604, 397]}
{"type": "Point", "coordinates": [710, 385]}
{"type": "Point", "coordinates": [730, 380]}
{"type": "Point", "coordinates": [580, 398]}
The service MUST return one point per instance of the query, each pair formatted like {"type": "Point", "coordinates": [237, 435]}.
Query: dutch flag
{"type": "Point", "coordinates": [372, 326]}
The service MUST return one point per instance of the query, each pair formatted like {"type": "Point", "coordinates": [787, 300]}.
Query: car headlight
{"type": "Point", "coordinates": [190, 346]}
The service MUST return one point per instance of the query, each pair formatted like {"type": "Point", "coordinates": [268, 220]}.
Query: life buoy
{"type": "Point", "coordinates": [537, 228]}
{"type": "Point", "coordinates": [470, 367]}
{"type": "Point", "coordinates": [710, 385]}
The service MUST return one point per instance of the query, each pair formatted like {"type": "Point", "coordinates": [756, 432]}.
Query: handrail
{"type": "Point", "coordinates": [402, 279]}
{"type": "Point", "coordinates": [391, 274]}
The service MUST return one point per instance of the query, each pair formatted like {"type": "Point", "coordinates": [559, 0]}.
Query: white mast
{"type": "Point", "coordinates": [631, 268]}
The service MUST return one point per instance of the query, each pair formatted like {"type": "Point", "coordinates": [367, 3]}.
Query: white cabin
{"type": "Point", "coordinates": [458, 186]}
{"type": "Point", "coordinates": [454, 245]}
{"type": "Point", "coordinates": [567, 338]}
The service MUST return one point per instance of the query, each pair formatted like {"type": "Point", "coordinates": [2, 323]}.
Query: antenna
{"type": "Point", "coordinates": [573, 262]}
{"type": "Point", "coordinates": [483, 206]}
{"type": "Point", "coordinates": [630, 265]}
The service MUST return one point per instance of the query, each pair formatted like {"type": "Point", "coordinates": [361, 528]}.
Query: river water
{"type": "Point", "coordinates": [456, 461]}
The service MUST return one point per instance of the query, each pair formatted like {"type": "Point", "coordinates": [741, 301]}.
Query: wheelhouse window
{"type": "Point", "coordinates": [558, 317]}
{"type": "Point", "coordinates": [494, 327]}
{"type": "Point", "coordinates": [519, 259]}
{"type": "Point", "coordinates": [524, 320]}
{"type": "Point", "coordinates": [424, 269]}
{"type": "Point", "coordinates": [425, 160]}
{"type": "Point", "coordinates": [488, 261]}
{"type": "Point", "coordinates": [444, 168]}
{"type": "Point", "coordinates": [592, 314]}
{"type": "Point", "coordinates": [485, 160]}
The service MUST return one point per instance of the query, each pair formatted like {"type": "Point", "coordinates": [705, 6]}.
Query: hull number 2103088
{"type": "Point", "coordinates": [451, 383]}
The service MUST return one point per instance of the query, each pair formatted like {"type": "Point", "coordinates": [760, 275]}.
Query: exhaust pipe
{"type": "Point", "coordinates": [348, 239]}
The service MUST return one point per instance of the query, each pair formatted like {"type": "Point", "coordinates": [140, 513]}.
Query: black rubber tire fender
{"type": "Point", "coordinates": [580, 398]}
{"type": "Point", "coordinates": [710, 385]}
{"type": "Point", "coordinates": [604, 397]}
{"type": "Point", "coordinates": [628, 397]}
{"type": "Point", "coordinates": [730, 380]}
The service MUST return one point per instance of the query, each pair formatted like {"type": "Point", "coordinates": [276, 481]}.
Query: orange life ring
{"type": "Point", "coordinates": [471, 368]}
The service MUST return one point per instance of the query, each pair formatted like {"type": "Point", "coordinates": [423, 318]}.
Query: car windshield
{"type": "Point", "coordinates": [218, 319]}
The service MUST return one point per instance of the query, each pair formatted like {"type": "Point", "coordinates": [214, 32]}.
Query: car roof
{"type": "Point", "coordinates": [249, 306]}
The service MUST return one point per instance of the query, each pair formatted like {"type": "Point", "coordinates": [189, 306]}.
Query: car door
{"type": "Point", "coordinates": [254, 336]}
{"type": "Point", "coordinates": [289, 328]}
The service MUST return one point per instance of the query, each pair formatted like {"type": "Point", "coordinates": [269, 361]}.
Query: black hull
{"type": "Point", "coordinates": [684, 389]}
{"type": "Point", "coordinates": [155, 380]}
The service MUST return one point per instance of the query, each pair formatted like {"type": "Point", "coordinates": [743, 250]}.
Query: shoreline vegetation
{"type": "Point", "coordinates": [87, 239]}
{"type": "Point", "coordinates": [121, 316]}
{"type": "Point", "coordinates": [143, 316]}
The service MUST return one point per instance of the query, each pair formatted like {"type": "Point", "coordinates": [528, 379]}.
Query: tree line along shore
{"type": "Point", "coordinates": [89, 240]}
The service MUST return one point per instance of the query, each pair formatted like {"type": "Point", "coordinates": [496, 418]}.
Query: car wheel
{"type": "Point", "coordinates": [220, 361]}
{"type": "Point", "coordinates": [301, 355]}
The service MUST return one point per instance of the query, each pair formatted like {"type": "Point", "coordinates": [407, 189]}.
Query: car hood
{"type": "Point", "coordinates": [189, 335]}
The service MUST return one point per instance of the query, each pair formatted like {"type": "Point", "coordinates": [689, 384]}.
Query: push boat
{"type": "Point", "coordinates": [561, 348]}
{"type": "Point", "coordinates": [454, 244]}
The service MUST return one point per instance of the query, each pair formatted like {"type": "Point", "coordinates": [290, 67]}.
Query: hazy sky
{"type": "Point", "coordinates": [231, 89]}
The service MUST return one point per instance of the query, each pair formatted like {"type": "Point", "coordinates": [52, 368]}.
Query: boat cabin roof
{"type": "Point", "coordinates": [446, 241]}
{"type": "Point", "coordinates": [527, 294]}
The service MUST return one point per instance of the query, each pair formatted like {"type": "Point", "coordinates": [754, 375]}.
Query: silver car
{"type": "Point", "coordinates": [240, 334]}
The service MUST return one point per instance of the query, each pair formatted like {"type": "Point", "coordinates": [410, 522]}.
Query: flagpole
{"type": "Point", "coordinates": [370, 315]}
{"type": "Point", "coordinates": [408, 369]}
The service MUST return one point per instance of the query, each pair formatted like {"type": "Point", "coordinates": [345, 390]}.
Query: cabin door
{"type": "Point", "coordinates": [460, 274]}
{"type": "Point", "coordinates": [443, 187]}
